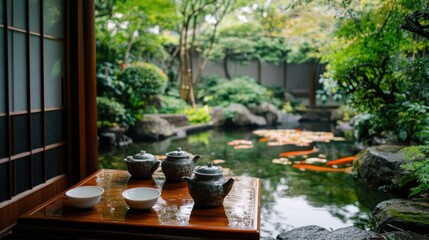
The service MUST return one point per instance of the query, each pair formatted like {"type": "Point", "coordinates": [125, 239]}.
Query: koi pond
{"type": "Point", "coordinates": [298, 186]}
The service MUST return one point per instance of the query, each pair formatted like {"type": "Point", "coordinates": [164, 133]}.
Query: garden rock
{"type": "Point", "coordinates": [404, 235]}
{"type": "Point", "coordinates": [350, 233]}
{"type": "Point", "coordinates": [242, 116]}
{"type": "Point", "coordinates": [267, 110]}
{"type": "Point", "coordinates": [310, 232]}
{"type": "Point", "coordinates": [315, 115]}
{"type": "Point", "coordinates": [318, 233]}
{"type": "Point", "coordinates": [217, 116]}
{"type": "Point", "coordinates": [114, 136]}
{"type": "Point", "coordinates": [151, 128]}
{"type": "Point", "coordinates": [107, 139]}
{"type": "Point", "coordinates": [402, 215]}
{"type": "Point", "coordinates": [380, 167]}
{"type": "Point", "coordinates": [175, 120]}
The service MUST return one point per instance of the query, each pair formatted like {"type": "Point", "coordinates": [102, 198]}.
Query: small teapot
{"type": "Point", "coordinates": [208, 187]}
{"type": "Point", "coordinates": [142, 165]}
{"type": "Point", "coordinates": [178, 164]}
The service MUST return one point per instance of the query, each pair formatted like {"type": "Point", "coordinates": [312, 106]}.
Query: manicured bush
{"type": "Point", "coordinates": [141, 82]}
{"type": "Point", "coordinates": [110, 113]}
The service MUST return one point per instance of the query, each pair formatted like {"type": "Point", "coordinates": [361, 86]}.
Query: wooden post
{"type": "Point", "coordinates": [284, 75]}
{"type": "Point", "coordinates": [311, 84]}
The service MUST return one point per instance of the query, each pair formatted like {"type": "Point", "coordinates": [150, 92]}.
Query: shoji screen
{"type": "Point", "coordinates": [32, 73]}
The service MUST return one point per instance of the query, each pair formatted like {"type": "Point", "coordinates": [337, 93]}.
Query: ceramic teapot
{"type": "Point", "coordinates": [142, 165]}
{"type": "Point", "coordinates": [178, 164]}
{"type": "Point", "coordinates": [208, 187]}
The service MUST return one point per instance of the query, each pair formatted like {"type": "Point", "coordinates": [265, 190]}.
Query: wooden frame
{"type": "Point", "coordinates": [80, 110]}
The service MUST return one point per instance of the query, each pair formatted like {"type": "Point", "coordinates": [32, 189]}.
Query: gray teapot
{"type": "Point", "coordinates": [208, 187]}
{"type": "Point", "coordinates": [178, 164]}
{"type": "Point", "coordinates": [142, 165]}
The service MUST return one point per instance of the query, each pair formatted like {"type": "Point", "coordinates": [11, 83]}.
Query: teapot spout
{"type": "Point", "coordinates": [155, 165]}
{"type": "Point", "coordinates": [227, 186]}
{"type": "Point", "coordinates": [187, 179]}
{"type": "Point", "coordinates": [195, 159]}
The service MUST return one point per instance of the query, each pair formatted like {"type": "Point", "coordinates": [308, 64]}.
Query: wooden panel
{"type": "Point", "coordinates": [24, 202]}
{"type": "Point", "coordinates": [81, 106]}
{"type": "Point", "coordinates": [172, 216]}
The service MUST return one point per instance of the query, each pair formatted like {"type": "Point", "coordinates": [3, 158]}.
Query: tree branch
{"type": "Point", "coordinates": [412, 23]}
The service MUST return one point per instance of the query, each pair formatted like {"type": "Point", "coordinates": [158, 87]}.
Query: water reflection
{"type": "Point", "coordinates": [288, 196]}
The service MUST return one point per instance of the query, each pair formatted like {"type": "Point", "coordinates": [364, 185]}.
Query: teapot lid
{"type": "Point", "coordinates": [208, 170]}
{"type": "Point", "coordinates": [179, 153]}
{"type": "Point", "coordinates": [142, 156]}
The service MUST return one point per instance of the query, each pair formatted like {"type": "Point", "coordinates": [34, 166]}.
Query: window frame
{"type": "Point", "coordinates": [79, 105]}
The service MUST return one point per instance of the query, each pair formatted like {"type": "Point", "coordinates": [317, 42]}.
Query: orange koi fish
{"type": "Point", "coordinates": [243, 146]}
{"type": "Point", "coordinates": [217, 161]}
{"type": "Point", "coordinates": [264, 139]}
{"type": "Point", "coordinates": [161, 157]}
{"type": "Point", "coordinates": [322, 169]}
{"type": "Point", "coordinates": [296, 153]}
{"type": "Point", "coordinates": [341, 161]}
{"type": "Point", "coordinates": [239, 142]}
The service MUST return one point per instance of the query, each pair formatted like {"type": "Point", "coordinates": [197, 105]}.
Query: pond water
{"type": "Point", "coordinates": [290, 197]}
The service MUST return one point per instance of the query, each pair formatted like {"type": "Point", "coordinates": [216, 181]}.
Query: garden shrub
{"type": "Point", "coordinates": [141, 82]}
{"type": "Point", "coordinates": [345, 112]}
{"type": "Point", "coordinates": [110, 112]}
{"type": "Point", "coordinates": [198, 114]}
{"type": "Point", "coordinates": [242, 90]}
{"type": "Point", "coordinates": [148, 78]}
{"type": "Point", "coordinates": [418, 165]}
{"type": "Point", "coordinates": [167, 104]}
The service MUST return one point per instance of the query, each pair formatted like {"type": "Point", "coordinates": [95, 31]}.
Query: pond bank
{"type": "Point", "coordinates": [399, 219]}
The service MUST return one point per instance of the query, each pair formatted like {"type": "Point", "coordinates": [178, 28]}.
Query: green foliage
{"type": "Point", "coordinates": [243, 90]}
{"type": "Point", "coordinates": [346, 112]}
{"type": "Point", "coordinates": [230, 115]}
{"type": "Point", "coordinates": [110, 112]}
{"type": "Point", "coordinates": [418, 165]}
{"type": "Point", "coordinates": [246, 42]}
{"type": "Point", "coordinates": [172, 105]}
{"type": "Point", "coordinates": [287, 107]}
{"type": "Point", "coordinates": [198, 114]}
{"type": "Point", "coordinates": [107, 82]}
{"type": "Point", "coordinates": [167, 104]}
{"type": "Point", "coordinates": [149, 78]}
{"type": "Point", "coordinates": [125, 29]}
{"type": "Point", "coordinates": [370, 70]}
{"type": "Point", "coordinates": [366, 127]}
{"type": "Point", "coordinates": [142, 81]}
{"type": "Point", "coordinates": [330, 90]}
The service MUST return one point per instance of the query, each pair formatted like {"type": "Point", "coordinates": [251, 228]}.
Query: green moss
{"type": "Point", "coordinates": [417, 216]}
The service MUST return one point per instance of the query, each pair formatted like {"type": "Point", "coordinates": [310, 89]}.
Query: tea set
{"type": "Point", "coordinates": [206, 184]}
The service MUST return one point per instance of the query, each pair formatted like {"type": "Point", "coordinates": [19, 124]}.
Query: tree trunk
{"type": "Point", "coordinates": [225, 68]}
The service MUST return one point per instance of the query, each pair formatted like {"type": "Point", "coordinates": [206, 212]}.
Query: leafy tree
{"type": "Point", "coordinates": [193, 15]}
{"type": "Point", "coordinates": [129, 30]}
{"type": "Point", "coordinates": [368, 62]}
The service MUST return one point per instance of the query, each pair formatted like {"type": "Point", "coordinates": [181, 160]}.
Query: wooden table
{"type": "Point", "coordinates": [172, 217]}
